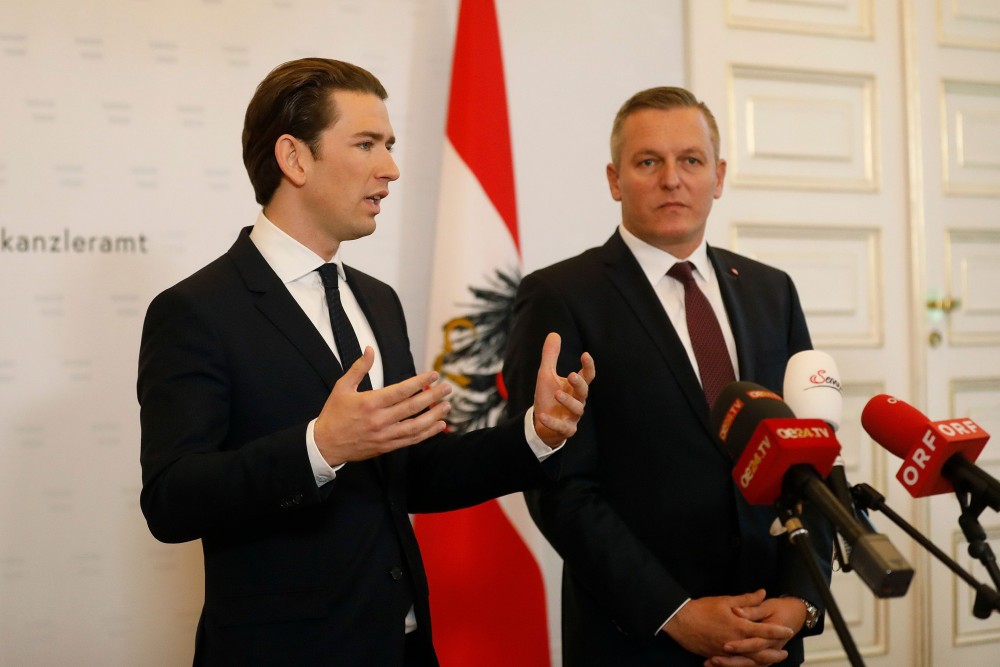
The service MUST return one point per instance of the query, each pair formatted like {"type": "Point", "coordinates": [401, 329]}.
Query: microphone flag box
{"type": "Point", "coordinates": [776, 446]}
{"type": "Point", "coordinates": [921, 471]}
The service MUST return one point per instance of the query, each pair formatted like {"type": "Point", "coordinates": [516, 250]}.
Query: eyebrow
{"type": "Point", "coordinates": [694, 150]}
{"type": "Point", "coordinates": [684, 152]}
{"type": "Point", "coordinates": [646, 152]}
{"type": "Point", "coordinates": [375, 136]}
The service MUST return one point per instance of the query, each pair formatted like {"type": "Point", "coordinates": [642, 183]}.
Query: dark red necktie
{"type": "Point", "coordinates": [714, 363]}
{"type": "Point", "coordinates": [348, 346]}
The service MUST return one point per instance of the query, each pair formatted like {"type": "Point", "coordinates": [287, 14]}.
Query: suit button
{"type": "Point", "coordinates": [396, 572]}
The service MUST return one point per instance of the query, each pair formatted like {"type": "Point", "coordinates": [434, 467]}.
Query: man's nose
{"type": "Point", "coordinates": [669, 176]}
{"type": "Point", "coordinates": [389, 170]}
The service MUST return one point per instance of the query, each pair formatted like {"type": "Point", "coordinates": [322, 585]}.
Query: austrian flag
{"type": "Point", "coordinates": [487, 592]}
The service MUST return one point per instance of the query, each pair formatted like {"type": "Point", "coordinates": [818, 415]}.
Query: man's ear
{"type": "Point", "coordinates": [292, 156]}
{"type": "Point", "coordinates": [612, 173]}
{"type": "Point", "coordinates": [720, 177]}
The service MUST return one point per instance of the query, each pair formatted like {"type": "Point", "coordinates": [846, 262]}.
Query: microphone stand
{"type": "Point", "coordinates": [798, 535]}
{"type": "Point", "coordinates": [987, 599]}
{"type": "Point", "coordinates": [975, 534]}
{"type": "Point", "coordinates": [837, 482]}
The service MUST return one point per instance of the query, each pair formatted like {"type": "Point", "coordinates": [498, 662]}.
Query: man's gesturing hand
{"type": "Point", "coordinates": [559, 401]}
{"type": "Point", "coordinates": [354, 426]}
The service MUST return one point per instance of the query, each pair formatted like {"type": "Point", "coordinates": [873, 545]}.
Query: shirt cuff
{"type": "Point", "coordinates": [322, 472]}
{"type": "Point", "coordinates": [541, 450]}
{"type": "Point", "coordinates": [663, 627]}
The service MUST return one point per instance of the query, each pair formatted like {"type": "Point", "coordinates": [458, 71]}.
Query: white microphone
{"type": "Point", "coordinates": [812, 389]}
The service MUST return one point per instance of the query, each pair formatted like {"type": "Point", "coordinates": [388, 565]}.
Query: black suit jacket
{"type": "Point", "coordinates": [230, 373]}
{"type": "Point", "coordinates": [646, 514]}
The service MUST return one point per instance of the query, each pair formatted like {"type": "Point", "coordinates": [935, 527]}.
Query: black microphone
{"type": "Point", "coordinates": [779, 456]}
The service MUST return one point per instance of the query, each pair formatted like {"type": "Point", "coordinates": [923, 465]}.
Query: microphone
{"type": "Point", "coordinates": [938, 457]}
{"type": "Point", "coordinates": [762, 434]}
{"type": "Point", "coordinates": [781, 456]}
{"type": "Point", "coordinates": [812, 389]}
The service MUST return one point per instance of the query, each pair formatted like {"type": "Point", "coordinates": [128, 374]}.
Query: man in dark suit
{"type": "Point", "coordinates": [255, 436]}
{"type": "Point", "coordinates": [664, 562]}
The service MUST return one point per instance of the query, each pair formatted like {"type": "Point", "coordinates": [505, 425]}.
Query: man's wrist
{"type": "Point", "coordinates": [812, 614]}
{"type": "Point", "coordinates": [542, 451]}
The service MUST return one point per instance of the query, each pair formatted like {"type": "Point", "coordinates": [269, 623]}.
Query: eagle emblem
{"type": "Point", "coordinates": [472, 351]}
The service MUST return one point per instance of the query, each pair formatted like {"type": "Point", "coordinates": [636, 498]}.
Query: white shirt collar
{"type": "Point", "coordinates": [287, 257]}
{"type": "Point", "coordinates": [655, 262]}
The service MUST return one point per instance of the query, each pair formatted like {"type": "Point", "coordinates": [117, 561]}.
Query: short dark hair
{"type": "Point", "coordinates": [662, 97]}
{"type": "Point", "coordinates": [296, 99]}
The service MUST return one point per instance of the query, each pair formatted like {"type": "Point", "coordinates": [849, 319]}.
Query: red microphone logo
{"type": "Point", "coordinates": [921, 470]}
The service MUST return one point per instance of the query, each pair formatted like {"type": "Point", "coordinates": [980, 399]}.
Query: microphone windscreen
{"type": "Point", "coordinates": [812, 387]}
{"type": "Point", "coordinates": [893, 423]}
{"type": "Point", "coordinates": [739, 409]}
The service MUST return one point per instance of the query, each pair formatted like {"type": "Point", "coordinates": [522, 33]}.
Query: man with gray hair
{"type": "Point", "coordinates": [665, 563]}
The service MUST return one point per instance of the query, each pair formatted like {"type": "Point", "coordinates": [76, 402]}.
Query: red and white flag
{"type": "Point", "coordinates": [488, 597]}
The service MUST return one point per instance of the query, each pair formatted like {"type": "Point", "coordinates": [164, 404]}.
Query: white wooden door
{"type": "Point", "coordinates": [954, 56]}
{"type": "Point", "coordinates": [810, 97]}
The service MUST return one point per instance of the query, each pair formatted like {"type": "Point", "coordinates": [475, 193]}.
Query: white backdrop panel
{"type": "Point", "coordinates": [120, 173]}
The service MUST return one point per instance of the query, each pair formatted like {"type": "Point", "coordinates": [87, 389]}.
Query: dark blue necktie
{"type": "Point", "coordinates": [343, 333]}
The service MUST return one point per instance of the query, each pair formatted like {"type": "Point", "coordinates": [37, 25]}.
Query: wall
{"type": "Point", "coordinates": [120, 173]}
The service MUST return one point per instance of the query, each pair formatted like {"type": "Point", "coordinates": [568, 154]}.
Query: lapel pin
{"type": "Point", "coordinates": [733, 270]}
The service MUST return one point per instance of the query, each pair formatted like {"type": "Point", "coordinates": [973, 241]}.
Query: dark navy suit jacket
{"type": "Point", "coordinates": [645, 514]}
{"type": "Point", "coordinates": [230, 373]}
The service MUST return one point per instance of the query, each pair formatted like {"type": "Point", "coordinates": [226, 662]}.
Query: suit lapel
{"type": "Point", "coordinates": [626, 275]}
{"type": "Point", "coordinates": [384, 326]}
{"type": "Point", "coordinates": [386, 332]}
{"type": "Point", "coordinates": [276, 304]}
{"type": "Point", "coordinates": [732, 289]}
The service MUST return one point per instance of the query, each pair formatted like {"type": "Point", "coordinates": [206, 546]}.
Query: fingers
{"type": "Point", "coordinates": [749, 599]}
{"type": "Point", "coordinates": [399, 397]}
{"type": "Point", "coordinates": [767, 657]}
{"type": "Point", "coordinates": [356, 373]}
{"type": "Point", "coordinates": [550, 357]}
{"type": "Point", "coordinates": [419, 428]}
{"type": "Point", "coordinates": [730, 661]}
{"type": "Point", "coordinates": [757, 613]}
{"type": "Point", "coordinates": [752, 645]}
{"type": "Point", "coordinates": [581, 389]}
{"type": "Point", "coordinates": [765, 631]}
{"type": "Point", "coordinates": [573, 397]}
{"type": "Point", "coordinates": [566, 427]}
{"type": "Point", "coordinates": [550, 352]}
{"type": "Point", "coordinates": [395, 393]}
{"type": "Point", "coordinates": [431, 397]}
{"type": "Point", "coordinates": [350, 429]}
{"type": "Point", "coordinates": [589, 371]}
